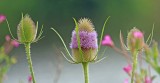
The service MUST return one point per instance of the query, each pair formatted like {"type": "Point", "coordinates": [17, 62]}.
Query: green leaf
{"type": "Point", "coordinates": [102, 32]}
{"type": "Point", "coordinates": [150, 37]}
{"type": "Point", "coordinates": [123, 46]}
{"type": "Point", "coordinates": [10, 30]}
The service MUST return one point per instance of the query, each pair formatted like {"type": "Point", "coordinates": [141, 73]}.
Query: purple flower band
{"type": "Point", "coordinates": [87, 40]}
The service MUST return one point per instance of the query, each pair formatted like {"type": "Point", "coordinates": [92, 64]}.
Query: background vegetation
{"type": "Point", "coordinates": [125, 14]}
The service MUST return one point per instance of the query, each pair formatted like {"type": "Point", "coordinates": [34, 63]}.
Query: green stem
{"type": "Point", "coordinates": [1, 79]}
{"type": "Point", "coordinates": [28, 53]}
{"type": "Point", "coordinates": [134, 65]}
{"type": "Point", "coordinates": [85, 69]}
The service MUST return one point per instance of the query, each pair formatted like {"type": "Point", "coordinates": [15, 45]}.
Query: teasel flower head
{"type": "Point", "coordinates": [84, 42]}
{"type": "Point", "coordinates": [88, 48]}
{"type": "Point", "coordinates": [27, 31]}
{"type": "Point", "coordinates": [135, 40]}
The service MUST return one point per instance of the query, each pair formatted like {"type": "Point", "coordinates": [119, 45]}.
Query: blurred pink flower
{"type": "Point", "coordinates": [126, 80]}
{"type": "Point", "coordinates": [148, 79]}
{"type": "Point", "coordinates": [8, 38]}
{"type": "Point", "coordinates": [107, 41]}
{"type": "Point", "coordinates": [29, 79]}
{"type": "Point", "coordinates": [138, 34]}
{"type": "Point", "coordinates": [2, 18]}
{"type": "Point", "coordinates": [128, 68]}
{"type": "Point", "coordinates": [15, 43]}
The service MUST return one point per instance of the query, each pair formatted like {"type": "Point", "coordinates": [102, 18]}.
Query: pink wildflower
{"type": "Point", "coordinates": [148, 79]}
{"type": "Point", "coordinates": [2, 18]}
{"type": "Point", "coordinates": [138, 34]}
{"type": "Point", "coordinates": [107, 41]}
{"type": "Point", "coordinates": [29, 79]}
{"type": "Point", "coordinates": [8, 38]}
{"type": "Point", "coordinates": [126, 80]}
{"type": "Point", "coordinates": [127, 69]}
{"type": "Point", "coordinates": [15, 43]}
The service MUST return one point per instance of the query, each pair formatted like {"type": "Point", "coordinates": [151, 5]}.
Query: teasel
{"type": "Point", "coordinates": [135, 43]}
{"type": "Point", "coordinates": [27, 34]}
{"type": "Point", "coordinates": [84, 45]}
{"type": "Point", "coordinates": [135, 40]}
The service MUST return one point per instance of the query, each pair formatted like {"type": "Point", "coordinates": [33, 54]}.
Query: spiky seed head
{"type": "Point", "coordinates": [85, 25]}
{"type": "Point", "coordinates": [26, 30]}
{"type": "Point", "coordinates": [88, 42]}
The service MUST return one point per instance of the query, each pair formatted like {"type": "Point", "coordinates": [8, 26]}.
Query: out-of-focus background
{"type": "Point", "coordinates": [125, 14]}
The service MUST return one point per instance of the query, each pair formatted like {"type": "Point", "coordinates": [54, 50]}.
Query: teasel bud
{"type": "Point", "coordinates": [26, 30]}
{"type": "Point", "coordinates": [88, 42]}
{"type": "Point", "coordinates": [135, 40]}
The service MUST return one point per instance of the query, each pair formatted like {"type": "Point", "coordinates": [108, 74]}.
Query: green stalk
{"type": "Point", "coordinates": [134, 65]}
{"type": "Point", "coordinates": [85, 69]}
{"type": "Point", "coordinates": [28, 53]}
{"type": "Point", "coordinates": [1, 78]}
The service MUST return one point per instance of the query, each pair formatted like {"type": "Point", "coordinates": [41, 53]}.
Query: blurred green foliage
{"type": "Point", "coordinates": [125, 14]}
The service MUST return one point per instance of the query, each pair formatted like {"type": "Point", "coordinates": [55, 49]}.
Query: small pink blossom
{"type": "Point", "coordinates": [107, 41]}
{"type": "Point", "coordinates": [8, 38]}
{"type": "Point", "coordinates": [29, 79]}
{"type": "Point", "coordinates": [126, 80]}
{"type": "Point", "coordinates": [2, 18]}
{"type": "Point", "coordinates": [128, 68]}
{"type": "Point", "coordinates": [15, 43]}
{"type": "Point", "coordinates": [148, 79]}
{"type": "Point", "coordinates": [138, 34]}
